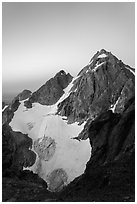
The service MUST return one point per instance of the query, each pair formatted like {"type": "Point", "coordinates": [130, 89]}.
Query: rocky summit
{"type": "Point", "coordinates": [104, 83]}
{"type": "Point", "coordinates": [74, 138]}
{"type": "Point", "coordinates": [51, 91]}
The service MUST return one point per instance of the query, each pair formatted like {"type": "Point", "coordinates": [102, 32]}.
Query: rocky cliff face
{"type": "Point", "coordinates": [51, 91]}
{"type": "Point", "coordinates": [8, 112]}
{"type": "Point", "coordinates": [111, 135]}
{"type": "Point", "coordinates": [16, 151]}
{"type": "Point", "coordinates": [102, 84]}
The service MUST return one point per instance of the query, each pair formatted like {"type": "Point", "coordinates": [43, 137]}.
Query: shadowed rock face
{"type": "Point", "coordinates": [8, 113]}
{"type": "Point", "coordinates": [56, 180]}
{"type": "Point", "coordinates": [45, 148]}
{"type": "Point", "coordinates": [100, 85]}
{"type": "Point", "coordinates": [111, 135]}
{"type": "Point", "coordinates": [3, 104]}
{"type": "Point", "coordinates": [51, 91]}
{"type": "Point", "coordinates": [15, 150]}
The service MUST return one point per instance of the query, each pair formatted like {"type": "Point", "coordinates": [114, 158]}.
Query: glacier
{"type": "Point", "coordinates": [59, 157]}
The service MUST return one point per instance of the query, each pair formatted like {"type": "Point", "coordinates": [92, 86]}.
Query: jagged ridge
{"type": "Point", "coordinates": [51, 91]}
{"type": "Point", "coordinates": [100, 84]}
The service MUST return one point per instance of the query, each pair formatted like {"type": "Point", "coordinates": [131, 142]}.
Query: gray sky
{"type": "Point", "coordinates": [39, 39]}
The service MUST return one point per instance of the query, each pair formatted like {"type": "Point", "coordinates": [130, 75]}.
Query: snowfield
{"type": "Point", "coordinates": [64, 158]}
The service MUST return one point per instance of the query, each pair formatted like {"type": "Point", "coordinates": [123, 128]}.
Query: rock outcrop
{"type": "Point", "coordinates": [45, 148]}
{"type": "Point", "coordinates": [16, 152]}
{"type": "Point", "coordinates": [24, 95]}
{"type": "Point", "coordinates": [111, 135]}
{"type": "Point", "coordinates": [8, 113]}
{"type": "Point", "coordinates": [51, 91]}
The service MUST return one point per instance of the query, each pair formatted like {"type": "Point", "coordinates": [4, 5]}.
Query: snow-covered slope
{"type": "Point", "coordinates": [60, 157]}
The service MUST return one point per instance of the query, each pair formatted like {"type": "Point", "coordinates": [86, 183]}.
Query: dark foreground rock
{"type": "Point", "coordinates": [16, 152]}
{"type": "Point", "coordinates": [27, 187]}
{"type": "Point", "coordinates": [19, 185]}
{"type": "Point", "coordinates": [112, 182]}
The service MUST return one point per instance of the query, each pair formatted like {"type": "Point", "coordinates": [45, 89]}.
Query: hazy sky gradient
{"type": "Point", "coordinates": [39, 39]}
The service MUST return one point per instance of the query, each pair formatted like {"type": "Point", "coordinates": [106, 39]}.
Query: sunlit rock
{"type": "Point", "coordinates": [45, 148]}
{"type": "Point", "coordinates": [56, 180]}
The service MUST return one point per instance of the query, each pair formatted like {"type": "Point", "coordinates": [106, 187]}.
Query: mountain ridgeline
{"type": "Point", "coordinates": [102, 83]}
{"type": "Point", "coordinates": [98, 105]}
{"type": "Point", "coordinates": [51, 91]}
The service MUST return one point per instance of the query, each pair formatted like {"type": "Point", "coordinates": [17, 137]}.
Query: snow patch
{"type": "Point", "coordinates": [87, 71]}
{"type": "Point", "coordinates": [67, 92]}
{"type": "Point", "coordinates": [102, 55]}
{"type": "Point", "coordinates": [97, 66]}
{"type": "Point", "coordinates": [24, 99]}
{"type": "Point", "coordinates": [90, 62]}
{"type": "Point", "coordinates": [114, 105]}
{"type": "Point", "coordinates": [4, 108]}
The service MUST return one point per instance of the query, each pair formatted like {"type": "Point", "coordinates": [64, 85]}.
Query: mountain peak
{"type": "Point", "coordinates": [103, 51]}
{"type": "Point", "coordinates": [104, 83]}
{"type": "Point", "coordinates": [51, 91]}
{"type": "Point", "coordinates": [102, 54]}
{"type": "Point", "coordinates": [61, 72]}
